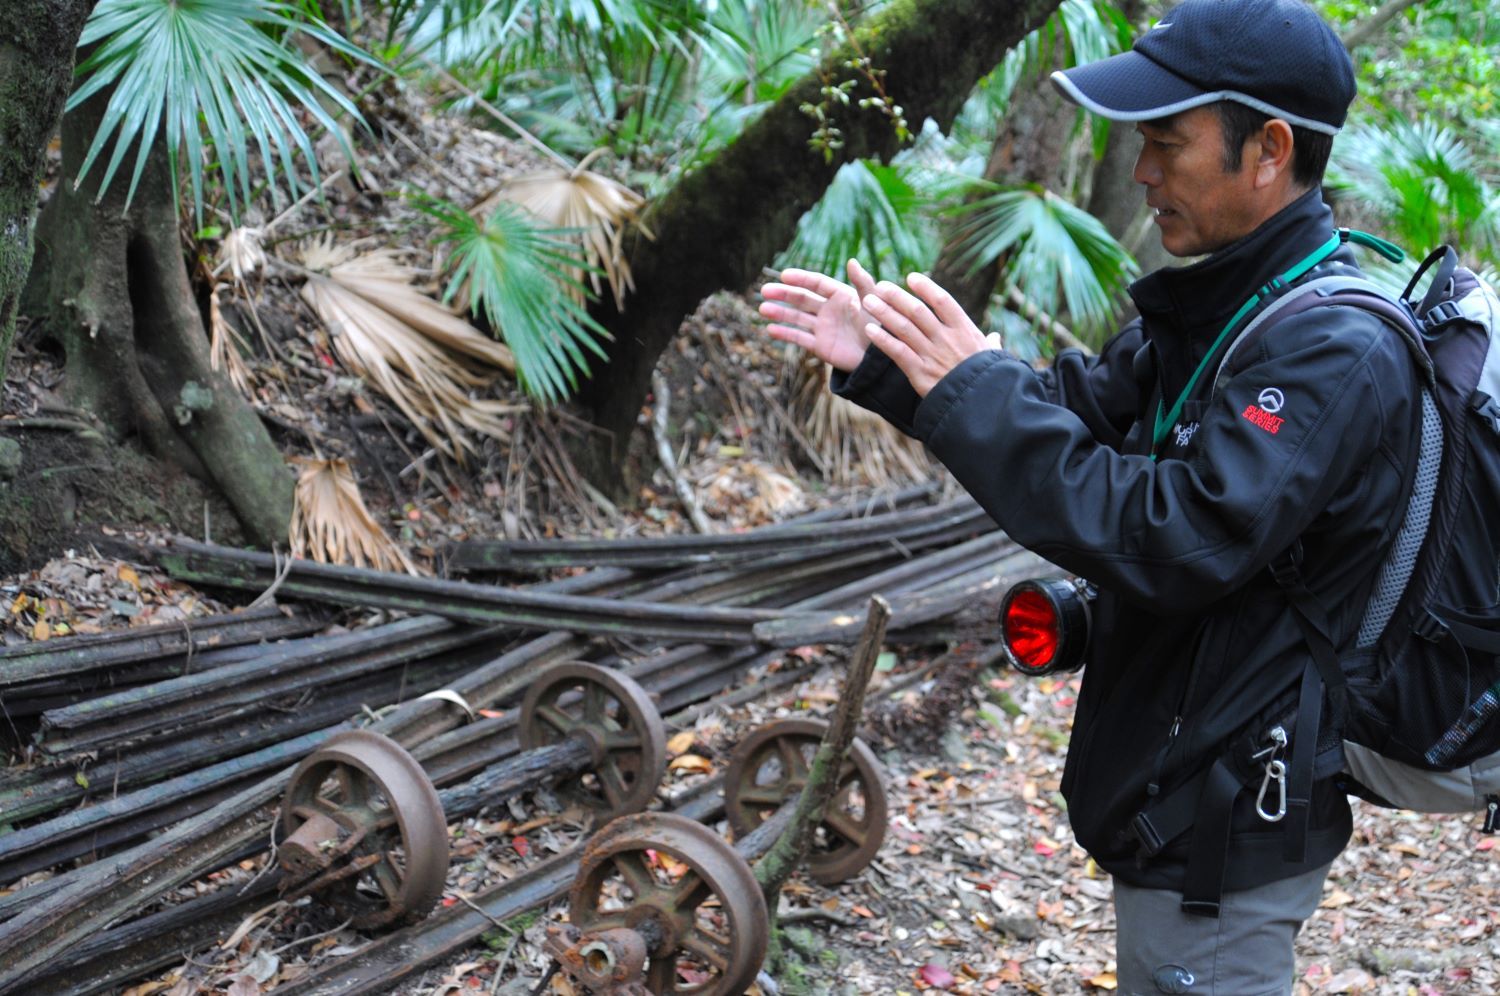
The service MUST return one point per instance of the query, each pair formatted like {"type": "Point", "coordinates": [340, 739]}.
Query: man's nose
{"type": "Point", "coordinates": [1146, 170]}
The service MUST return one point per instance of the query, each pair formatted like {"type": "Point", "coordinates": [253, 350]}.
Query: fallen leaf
{"type": "Point", "coordinates": [690, 762]}
{"type": "Point", "coordinates": [1105, 980]}
{"type": "Point", "coordinates": [936, 976]}
{"type": "Point", "coordinates": [243, 985]}
{"type": "Point", "coordinates": [1335, 899]}
{"type": "Point", "coordinates": [521, 845]}
{"type": "Point", "coordinates": [680, 742]}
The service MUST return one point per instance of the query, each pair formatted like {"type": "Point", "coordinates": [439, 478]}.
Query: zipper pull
{"type": "Point", "coordinates": [1491, 812]}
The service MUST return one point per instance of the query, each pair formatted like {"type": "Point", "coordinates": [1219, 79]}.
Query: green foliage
{"type": "Point", "coordinates": [869, 212]}
{"type": "Point", "coordinates": [1423, 181]}
{"type": "Point", "coordinates": [1417, 160]}
{"type": "Point", "coordinates": [1051, 247]}
{"type": "Point", "coordinates": [517, 277]}
{"type": "Point", "coordinates": [175, 69]}
{"type": "Point", "coordinates": [1077, 33]}
{"type": "Point", "coordinates": [585, 73]}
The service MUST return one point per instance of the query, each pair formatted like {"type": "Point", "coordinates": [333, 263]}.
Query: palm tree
{"type": "Point", "coordinates": [1423, 184]}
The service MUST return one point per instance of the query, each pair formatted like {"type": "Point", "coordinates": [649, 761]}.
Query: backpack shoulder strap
{"type": "Point", "coordinates": [1337, 289]}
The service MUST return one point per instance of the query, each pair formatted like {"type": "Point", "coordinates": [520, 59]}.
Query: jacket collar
{"type": "Point", "coordinates": [1196, 300]}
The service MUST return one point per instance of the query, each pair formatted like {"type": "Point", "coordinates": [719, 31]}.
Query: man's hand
{"type": "Point", "coordinates": [821, 314]}
{"type": "Point", "coordinates": [925, 335]}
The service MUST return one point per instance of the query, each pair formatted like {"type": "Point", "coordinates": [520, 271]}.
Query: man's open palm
{"type": "Point", "coordinates": [821, 314]}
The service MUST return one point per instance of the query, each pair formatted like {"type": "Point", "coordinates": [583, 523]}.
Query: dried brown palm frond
{"type": "Point", "coordinates": [242, 253]}
{"type": "Point", "coordinates": [331, 524]}
{"type": "Point", "coordinates": [225, 348]}
{"type": "Point", "coordinates": [407, 346]}
{"type": "Point", "coordinates": [855, 444]}
{"type": "Point", "coordinates": [595, 206]}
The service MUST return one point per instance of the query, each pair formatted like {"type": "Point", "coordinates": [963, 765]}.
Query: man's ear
{"type": "Point", "coordinates": [1273, 155]}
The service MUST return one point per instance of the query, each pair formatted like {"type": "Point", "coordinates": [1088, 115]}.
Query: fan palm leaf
{"type": "Point", "coordinates": [177, 69]}
{"type": "Point", "coordinates": [1052, 246]}
{"type": "Point", "coordinates": [403, 344]}
{"type": "Point", "coordinates": [521, 279]}
{"type": "Point", "coordinates": [870, 212]}
{"type": "Point", "coordinates": [1423, 180]}
{"type": "Point", "coordinates": [591, 208]}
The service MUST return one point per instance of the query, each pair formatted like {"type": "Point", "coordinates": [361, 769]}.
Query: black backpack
{"type": "Point", "coordinates": [1416, 699]}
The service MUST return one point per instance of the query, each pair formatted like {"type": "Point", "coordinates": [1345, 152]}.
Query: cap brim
{"type": "Point", "coordinates": [1130, 87]}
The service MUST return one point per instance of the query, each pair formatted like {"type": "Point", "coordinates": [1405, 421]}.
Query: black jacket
{"type": "Point", "coordinates": [1190, 630]}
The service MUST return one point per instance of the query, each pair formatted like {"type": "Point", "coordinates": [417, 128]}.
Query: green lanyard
{"type": "Point", "coordinates": [1164, 420]}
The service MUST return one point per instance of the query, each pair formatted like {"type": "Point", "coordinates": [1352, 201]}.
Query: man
{"type": "Point", "coordinates": [1177, 482]}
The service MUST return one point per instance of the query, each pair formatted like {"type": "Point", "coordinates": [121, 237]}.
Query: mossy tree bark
{"type": "Point", "coordinates": [37, 39]}
{"type": "Point", "coordinates": [112, 285]}
{"type": "Point", "coordinates": [720, 224]}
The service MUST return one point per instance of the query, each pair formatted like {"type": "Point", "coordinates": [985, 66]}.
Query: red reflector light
{"type": "Point", "coordinates": [1031, 629]}
{"type": "Point", "coordinates": [1044, 623]}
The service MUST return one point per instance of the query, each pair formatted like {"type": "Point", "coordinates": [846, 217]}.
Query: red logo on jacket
{"type": "Point", "coordinates": [1262, 419]}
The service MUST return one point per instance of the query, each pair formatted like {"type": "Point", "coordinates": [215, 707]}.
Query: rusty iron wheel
{"type": "Point", "coordinates": [686, 892]}
{"type": "Point", "coordinates": [371, 788]}
{"type": "Point", "coordinates": [615, 717]}
{"type": "Point", "coordinates": [771, 766]}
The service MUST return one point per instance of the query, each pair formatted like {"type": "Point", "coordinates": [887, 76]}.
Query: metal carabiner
{"type": "Point", "coordinates": [1275, 770]}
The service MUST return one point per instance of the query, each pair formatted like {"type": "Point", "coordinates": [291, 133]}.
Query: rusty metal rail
{"type": "Point", "coordinates": [531, 609]}
{"type": "Point", "coordinates": [280, 671]}
{"type": "Point", "coordinates": [680, 551]}
{"type": "Point", "coordinates": [174, 642]}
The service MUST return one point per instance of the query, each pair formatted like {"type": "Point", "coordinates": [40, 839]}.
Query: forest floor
{"type": "Point", "coordinates": [979, 886]}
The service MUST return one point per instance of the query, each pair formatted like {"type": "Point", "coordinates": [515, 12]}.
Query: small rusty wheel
{"type": "Point", "coordinates": [615, 717]}
{"type": "Point", "coordinates": [693, 900]}
{"type": "Point", "coordinates": [771, 765]}
{"type": "Point", "coordinates": [361, 814]}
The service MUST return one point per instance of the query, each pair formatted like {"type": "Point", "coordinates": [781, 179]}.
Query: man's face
{"type": "Point", "coordinates": [1199, 206]}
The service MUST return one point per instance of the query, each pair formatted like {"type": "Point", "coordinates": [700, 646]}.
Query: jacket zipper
{"type": "Point", "coordinates": [1153, 785]}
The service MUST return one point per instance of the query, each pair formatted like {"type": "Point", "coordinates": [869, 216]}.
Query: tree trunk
{"type": "Point", "coordinates": [114, 288]}
{"type": "Point", "coordinates": [1115, 198]}
{"type": "Point", "coordinates": [931, 51]}
{"type": "Point", "coordinates": [37, 39]}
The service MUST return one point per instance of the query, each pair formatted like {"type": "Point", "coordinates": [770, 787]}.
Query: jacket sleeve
{"type": "Point", "coordinates": [879, 385]}
{"type": "Point", "coordinates": [1271, 450]}
{"type": "Point", "coordinates": [1102, 390]}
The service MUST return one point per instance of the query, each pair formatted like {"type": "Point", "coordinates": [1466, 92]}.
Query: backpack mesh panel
{"type": "Point", "coordinates": [1399, 563]}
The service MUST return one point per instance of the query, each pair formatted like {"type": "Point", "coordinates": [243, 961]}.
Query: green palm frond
{"type": "Point", "coordinates": [518, 276]}
{"type": "Point", "coordinates": [1053, 247]}
{"type": "Point", "coordinates": [176, 69]}
{"type": "Point", "coordinates": [457, 32]}
{"type": "Point", "coordinates": [770, 46]}
{"type": "Point", "coordinates": [869, 212]}
{"type": "Point", "coordinates": [1424, 181]}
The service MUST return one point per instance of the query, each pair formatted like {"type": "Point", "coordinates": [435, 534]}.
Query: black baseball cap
{"type": "Point", "coordinates": [1277, 56]}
